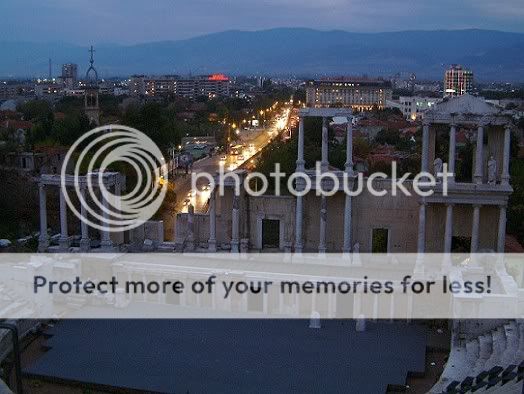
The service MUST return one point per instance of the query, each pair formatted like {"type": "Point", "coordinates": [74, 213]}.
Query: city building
{"type": "Point", "coordinates": [141, 85]}
{"type": "Point", "coordinates": [15, 89]}
{"type": "Point", "coordinates": [69, 75]}
{"type": "Point", "coordinates": [48, 89]}
{"type": "Point", "coordinates": [204, 85]}
{"type": "Point", "coordinates": [457, 81]}
{"type": "Point", "coordinates": [360, 94]}
{"type": "Point", "coordinates": [413, 107]}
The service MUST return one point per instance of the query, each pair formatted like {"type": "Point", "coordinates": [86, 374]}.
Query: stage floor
{"type": "Point", "coordinates": [226, 356]}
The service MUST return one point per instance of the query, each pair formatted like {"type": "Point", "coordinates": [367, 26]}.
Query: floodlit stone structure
{"type": "Point", "coordinates": [480, 200]}
{"type": "Point", "coordinates": [111, 180]}
{"type": "Point", "coordinates": [438, 223]}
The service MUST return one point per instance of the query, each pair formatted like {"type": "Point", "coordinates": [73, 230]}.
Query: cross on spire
{"type": "Point", "coordinates": [91, 50]}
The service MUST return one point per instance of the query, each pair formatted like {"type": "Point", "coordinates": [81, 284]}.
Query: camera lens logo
{"type": "Point", "coordinates": [98, 189]}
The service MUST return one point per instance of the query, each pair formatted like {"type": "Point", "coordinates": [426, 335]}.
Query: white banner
{"type": "Point", "coordinates": [224, 285]}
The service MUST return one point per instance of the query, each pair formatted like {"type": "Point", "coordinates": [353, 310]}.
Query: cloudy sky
{"type": "Point", "coordinates": [134, 21]}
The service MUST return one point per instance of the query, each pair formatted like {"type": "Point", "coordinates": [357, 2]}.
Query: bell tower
{"type": "Point", "coordinates": [91, 108]}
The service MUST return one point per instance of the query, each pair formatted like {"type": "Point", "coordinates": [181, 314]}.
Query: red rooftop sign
{"type": "Point", "coordinates": [218, 77]}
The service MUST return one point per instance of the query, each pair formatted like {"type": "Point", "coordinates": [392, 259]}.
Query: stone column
{"type": "Point", "coordinates": [325, 145]}
{"type": "Point", "coordinates": [425, 147]}
{"type": "Point", "coordinates": [348, 202]}
{"type": "Point", "coordinates": [235, 236]}
{"type": "Point", "coordinates": [299, 207]}
{"type": "Point", "coordinates": [349, 148]}
{"type": "Point", "coordinates": [212, 242]}
{"type": "Point", "coordinates": [479, 161]}
{"type": "Point", "coordinates": [190, 245]}
{"type": "Point", "coordinates": [300, 154]}
{"type": "Point", "coordinates": [421, 243]}
{"type": "Point", "coordinates": [449, 228]}
{"type": "Point", "coordinates": [506, 158]}
{"type": "Point", "coordinates": [323, 224]}
{"type": "Point", "coordinates": [475, 229]}
{"type": "Point", "coordinates": [501, 239]}
{"type": "Point", "coordinates": [105, 242]}
{"type": "Point", "coordinates": [64, 241]}
{"type": "Point", "coordinates": [347, 224]}
{"type": "Point", "coordinates": [298, 224]}
{"type": "Point", "coordinates": [259, 240]}
{"type": "Point", "coordinates": [43, 240]}
{"type": "Point", "coordinates": [452, 150]}
{"type": "Point", "coordinates": [85, 242]}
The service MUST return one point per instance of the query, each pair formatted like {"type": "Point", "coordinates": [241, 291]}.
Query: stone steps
{"type": "Point", "coordinates": [502, 346]}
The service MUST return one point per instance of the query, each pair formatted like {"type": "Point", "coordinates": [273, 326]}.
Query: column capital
{"type": "Point", "coordinates": [450, 204]}
{"type": "Point", "coordinates": [477, 206]}
{"type": "Point", "coordinates": [300, 165]}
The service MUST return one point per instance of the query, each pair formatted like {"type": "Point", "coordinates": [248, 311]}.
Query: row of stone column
{"type": "Point", "coordinates": [64, 241]}
{"type": "Point", "coordinates": [479, 156]}
{"type": "Point", "coordinates": [475, 229]}
{"type": "Point", "coordinates": [477, 178]}
{"type": "Point", "coordinates": [235, 236]}
{"type": "Point", "coordinates": [324, 165]}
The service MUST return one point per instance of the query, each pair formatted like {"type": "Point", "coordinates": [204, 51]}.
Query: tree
{"type": "Point", "coordinates": [37, 111]}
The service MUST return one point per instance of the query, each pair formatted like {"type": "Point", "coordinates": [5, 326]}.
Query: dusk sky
{"type": "Point", "coordinates": [134, 21]}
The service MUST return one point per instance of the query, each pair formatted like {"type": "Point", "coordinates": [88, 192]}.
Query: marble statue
{"type": "Point", "coordinates": [437, 166]}
{"type": "Point", "coordinates": [492, 171]}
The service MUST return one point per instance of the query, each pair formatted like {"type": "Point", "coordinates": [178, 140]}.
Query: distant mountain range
{"type": "Point", "coordinates": [492, 55]}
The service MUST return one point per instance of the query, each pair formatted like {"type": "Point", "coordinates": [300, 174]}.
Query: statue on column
{"type": "Point", "coordinates": [437, 166]}
{"type": "Point", "coordinates": [492, 171]}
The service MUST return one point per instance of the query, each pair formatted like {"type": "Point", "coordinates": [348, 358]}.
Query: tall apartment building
{"type": "Point", "coordinates": [203, 85]}
{"type": "Point", "coordinates": [361, 94]}
{"type": "Point", "coordinates": [457, 81]}
{"type": "Point", "coordinates": [70, 75]}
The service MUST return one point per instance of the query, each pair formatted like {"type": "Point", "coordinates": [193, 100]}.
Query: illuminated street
{"type": "Point", "coordinates": [253, 141]}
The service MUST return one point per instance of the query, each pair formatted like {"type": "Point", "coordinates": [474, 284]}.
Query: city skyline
{"type": "Point", "coordinates": [133, 21]}
{"type": "Point", "coordinates": [287, 50]}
